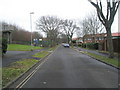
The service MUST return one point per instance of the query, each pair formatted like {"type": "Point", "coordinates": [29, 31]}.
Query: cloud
{"type": "Point", "coordinates": [18, 11]}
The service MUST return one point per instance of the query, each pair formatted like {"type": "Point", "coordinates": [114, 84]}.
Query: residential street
{"type": "Point", "coordinates": [67, 68]}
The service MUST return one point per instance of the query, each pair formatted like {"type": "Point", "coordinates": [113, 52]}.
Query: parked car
{"type": "Point", "coordinates": [66, 45]}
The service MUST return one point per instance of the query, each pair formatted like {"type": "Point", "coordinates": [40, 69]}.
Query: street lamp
{"type": "Point", "coordinates": [31, 27]}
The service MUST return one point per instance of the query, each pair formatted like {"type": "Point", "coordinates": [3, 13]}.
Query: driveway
{"type": "Point", "coordinates": [67, 68]}
{"type": "Point", "coordinates": [12, 56]}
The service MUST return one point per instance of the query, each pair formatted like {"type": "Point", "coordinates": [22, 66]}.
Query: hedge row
{"type": "Point", "coordinates": [89, 45]}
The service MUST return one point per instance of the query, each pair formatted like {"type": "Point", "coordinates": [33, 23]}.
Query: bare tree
{"type": "Point", "coordinates": [94, 24]}
{"type": "Point", "coordinates": [51, 26]}
{"type": "Point", "coordinates": [112, 7]}
{"type": "Point", "coordinates": [63, 37]}
{"type": "Point", "coordinates": [70, 28]}
{"type": "Point", "coordinates": [91, 25]}
{"type": "Point", "coordinates": [37, 35]}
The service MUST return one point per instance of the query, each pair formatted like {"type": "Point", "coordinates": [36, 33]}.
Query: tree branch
{"type": "Point", "coordinates": [99, 11]}
{"type": "Point", "coordinates": [100, 18]}
{"type": "Point", "coordinates": [118, 3]}
{"type": "Point", "coordinates": [108, 10]}
{"type": "Point", "coordinates": [95, 5]}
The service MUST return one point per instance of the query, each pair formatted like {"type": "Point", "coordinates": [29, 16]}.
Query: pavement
{"type": "Point", "coordinates": [95, 52]}
{"type": "Point", "coordinates": [13, 56]}
{"type": "Point", "coordinates": [67, 68]}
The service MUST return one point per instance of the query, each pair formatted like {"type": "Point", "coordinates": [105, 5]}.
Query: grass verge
{"type": "Point", "coordinates": [110, 61]}
{"type": "Point", "coordinates": [52, 48]}
{"type": "Point", "coordinates": [43, 53]}
{"type": "Point", "coordinates": [106, 52]}
{"type": "Point", "coordinates": [18, 47]}
{"type": "Point", "coordinates": [15, 69]}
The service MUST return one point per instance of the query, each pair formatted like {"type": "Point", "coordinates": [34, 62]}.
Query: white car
{"type": "Point", "coordinates": [66, 45]}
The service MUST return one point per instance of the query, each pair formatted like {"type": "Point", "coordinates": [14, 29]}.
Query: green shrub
{"type": "Point", "coordinates": [96, 46]}
{"type": "Point", "coordinates": [79, 45]}
{"type": "Point", "coordinates": [83, 45]}
{"type": "Point", "coordinates": [4, 45]}
{"type": "Point", "coordinates": [92, 45]}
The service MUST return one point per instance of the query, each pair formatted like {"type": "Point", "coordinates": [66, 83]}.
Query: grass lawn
{"type": "Point", "coordinates": [104, 59]}
{"type": "Point", "coordinates": [18, 47]}
{"type": "Point", "coordinates": [16, 69]}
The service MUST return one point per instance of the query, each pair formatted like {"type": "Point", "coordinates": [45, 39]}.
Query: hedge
{"type": "Point", "coordinates": [4, 45]}
{"type": "Point", "coordinates": [90, 45]}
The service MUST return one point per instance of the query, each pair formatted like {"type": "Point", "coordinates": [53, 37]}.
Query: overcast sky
{"type": "Point", "coordinates": [18, 11]}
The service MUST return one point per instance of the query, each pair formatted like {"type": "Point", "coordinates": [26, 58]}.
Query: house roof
{"type": "Point", "coordinates": [115, 34]}
{"type": "Point", "coordinates": [97, 35]}
{"type": "Point", "coordinates": [104, 34]}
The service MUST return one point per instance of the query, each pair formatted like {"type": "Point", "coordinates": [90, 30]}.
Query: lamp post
{"type": "Point", "coordinates": [31, 27]}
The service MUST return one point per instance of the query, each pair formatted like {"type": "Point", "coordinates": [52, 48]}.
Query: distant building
{"type": "Point", "coordinates": [96, 38]}
{"type": "Point", "coordinates": [102, 40]}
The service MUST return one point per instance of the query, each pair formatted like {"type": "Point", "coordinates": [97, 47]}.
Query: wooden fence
{"type": "Point", "coordinates": [116, 45]}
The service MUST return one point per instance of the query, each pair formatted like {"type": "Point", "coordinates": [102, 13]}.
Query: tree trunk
{"type": "Point", "coordinates": [68, 40]}
{"type": "Point", "coordinates": [110, 42]}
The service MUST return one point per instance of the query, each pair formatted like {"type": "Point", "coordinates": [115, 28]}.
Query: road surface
{"type": "Point", "coordinates": [67, 68]}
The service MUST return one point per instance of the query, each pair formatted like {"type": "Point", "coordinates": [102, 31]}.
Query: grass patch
{"type": "Point", "coordinates": [44, 53]}
{"type": "Point", "coordinates": [41, 54]}
{"type": "Point", "coordinates": [106, 52]}
{"type": "Point", "coordinates": [104, 59]}
{"type": "Point", "coordinates": [16, 69]}
{"type": "Point", "coordinates": [18, 47]}
{"type": "Point", "coordinates": [52, 48]}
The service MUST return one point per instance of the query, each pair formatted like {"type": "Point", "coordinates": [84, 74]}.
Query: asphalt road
{"type": "Point", "coordinates": [67, 68]}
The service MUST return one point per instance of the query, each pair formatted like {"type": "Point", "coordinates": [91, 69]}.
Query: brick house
{"type": "Point", "coordinates": [96, 38]}
{"type": "Point", "coordinates": [101, 39]}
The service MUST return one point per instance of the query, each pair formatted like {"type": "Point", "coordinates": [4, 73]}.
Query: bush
{"type": "Point", "coordinates": [90, 45]}
{"type": "Point", "coordinates": [4, 45]}
{"type": "Point", "coordinates": [84, 45]}
{"type": "Point", "coordinates": [79, 45]}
